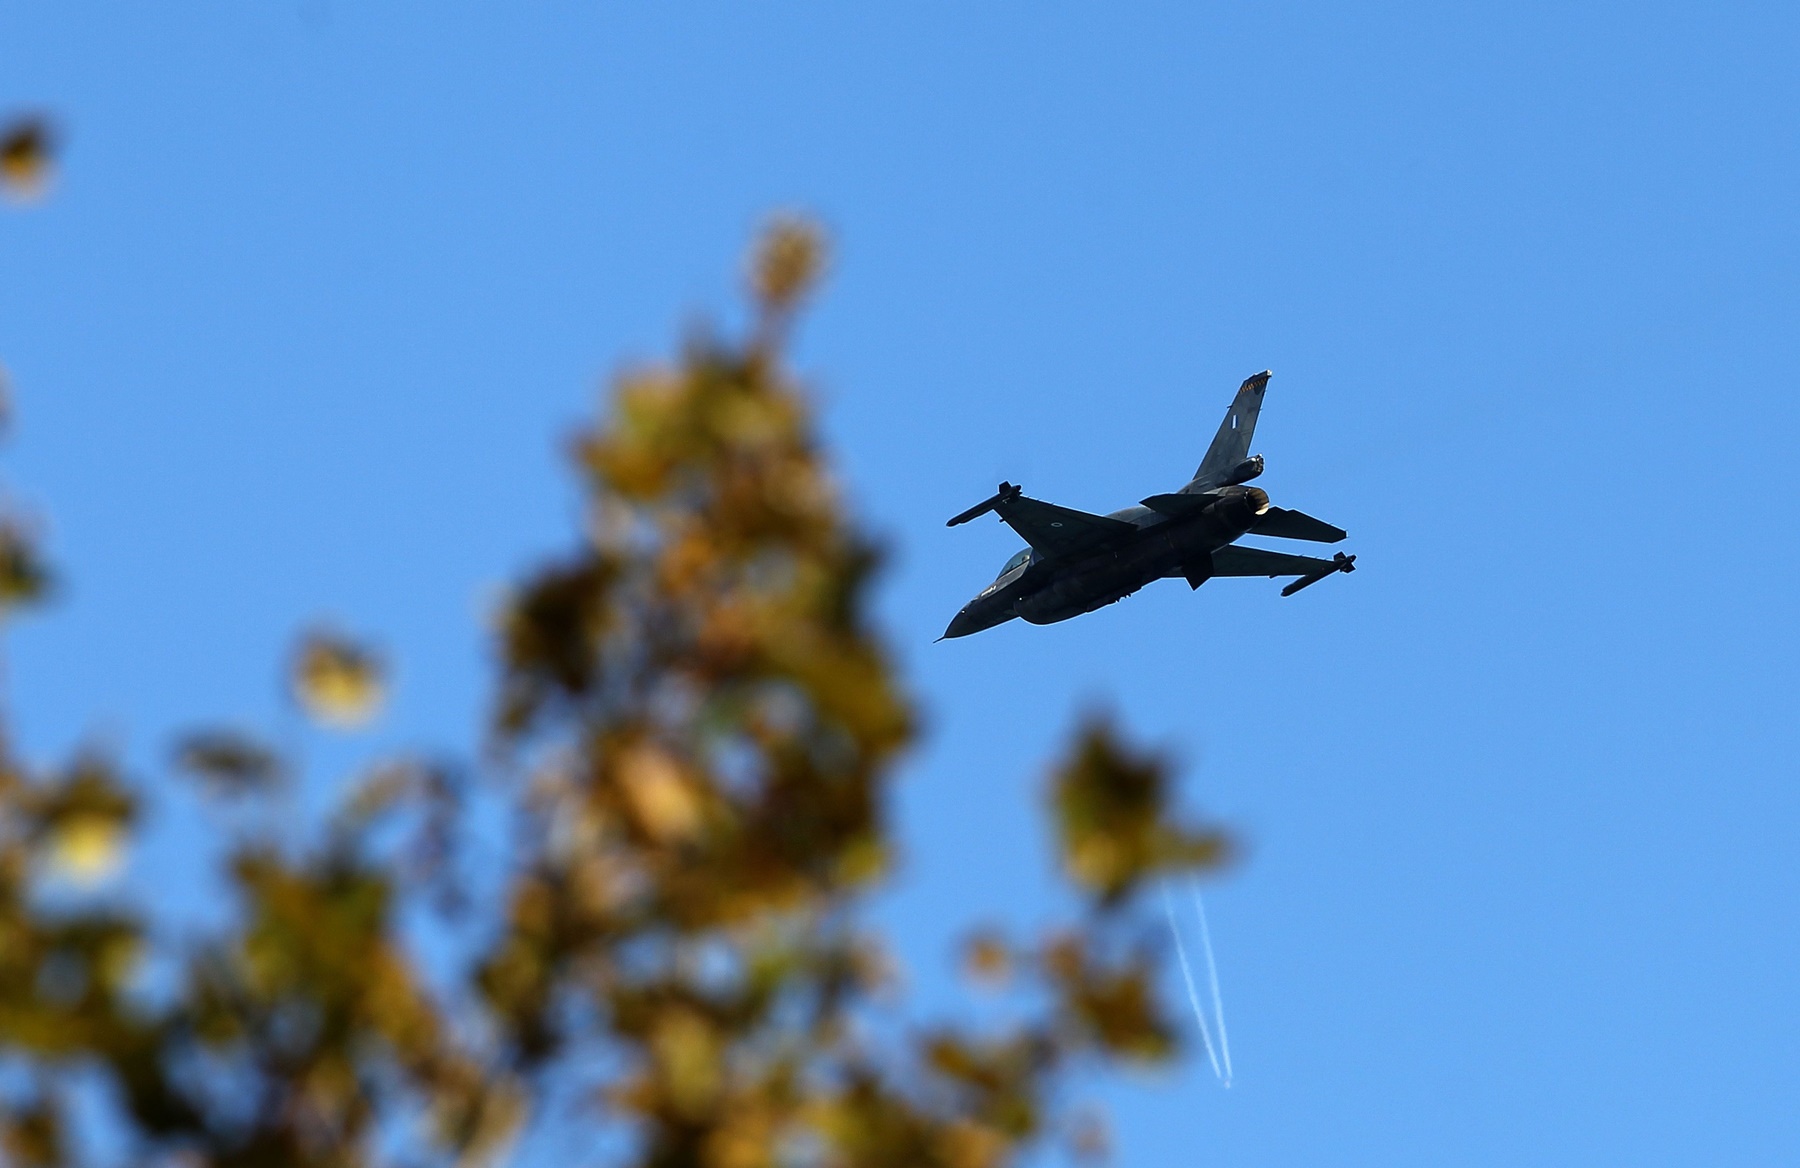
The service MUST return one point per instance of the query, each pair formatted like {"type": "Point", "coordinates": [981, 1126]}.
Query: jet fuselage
{"type": "Point", "coordinates": [1044, 592]}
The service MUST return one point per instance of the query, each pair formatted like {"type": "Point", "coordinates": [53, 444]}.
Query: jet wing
{"type": "Point", "coordinates": [1232, 560]}
{"type": "Point", "coordinates": [1054, 531]}
{"type": "Point", "coordinates": [1247, 561]}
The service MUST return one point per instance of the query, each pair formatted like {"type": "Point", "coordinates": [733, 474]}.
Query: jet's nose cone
{"type": "Point", "coordinates": [962, 625]}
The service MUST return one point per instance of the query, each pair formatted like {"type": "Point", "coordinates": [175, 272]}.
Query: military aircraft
{"type": "Point", "coordinates": [1078, 562]}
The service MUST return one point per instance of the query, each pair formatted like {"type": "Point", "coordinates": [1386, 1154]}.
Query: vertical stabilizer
{"type": "Point", "coordinates": [1231, 445]}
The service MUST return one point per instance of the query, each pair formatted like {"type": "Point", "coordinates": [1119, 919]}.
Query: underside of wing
{"type": "Point", "coordinates": [1059, 531]}
{"type": "Point", "coordinates": [1232, 560]}
{"type": "Point", "coordinates": [1246, 561]}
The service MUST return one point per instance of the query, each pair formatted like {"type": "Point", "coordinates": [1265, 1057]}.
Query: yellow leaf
{"type": "Point", "coordinates": [87, 848]}
{"type": "Point", "coordinates": [687, 1058]}
{"type": "Point", "coordinates": [787, 263]}
{"type": "Point", "coordinates": [986, 958]}
{"type": "Point", "coordinates": [660, 795]}
{"type": "Point", "coordinates": [25, 154]}
{"type": "Point", "coordinates": [339, 682]}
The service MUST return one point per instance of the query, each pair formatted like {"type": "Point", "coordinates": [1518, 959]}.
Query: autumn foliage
{"type": "Point", "coordinates": [696, 729]}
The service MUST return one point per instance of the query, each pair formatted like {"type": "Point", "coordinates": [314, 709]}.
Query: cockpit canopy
{"type": "Point", "coordinates": [1020, 557]}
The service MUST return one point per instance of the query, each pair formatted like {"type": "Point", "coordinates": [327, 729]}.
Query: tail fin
{"type": "Point", "coordinates": [1231, 445]}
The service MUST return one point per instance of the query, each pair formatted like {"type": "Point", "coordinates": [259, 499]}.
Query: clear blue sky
{"type": "Point", "coordinates": [324, 285]}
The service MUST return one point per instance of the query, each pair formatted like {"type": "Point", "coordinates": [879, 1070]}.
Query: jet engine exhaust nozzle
{"type": "Point", "coordinates": [1258, 499]}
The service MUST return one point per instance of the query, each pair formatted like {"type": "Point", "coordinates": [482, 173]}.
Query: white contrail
{"type": "Point", "coordinates": [1212, 974]}
{"type": "Point", "coordinates": [1188, 977]}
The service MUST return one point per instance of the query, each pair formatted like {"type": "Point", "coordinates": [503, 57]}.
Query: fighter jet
{"type": "Point", "coordinates": [1078, 562]}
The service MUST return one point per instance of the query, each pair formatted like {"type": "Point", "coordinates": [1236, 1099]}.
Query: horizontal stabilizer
{"type": "Point", "coordinates": [1285, 524]}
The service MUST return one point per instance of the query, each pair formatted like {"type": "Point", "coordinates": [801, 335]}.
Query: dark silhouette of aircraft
{"type": "Point", "coordinates": [1078, 562]}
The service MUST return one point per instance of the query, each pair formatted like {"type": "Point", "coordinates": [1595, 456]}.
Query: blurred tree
{"type": "Point", "coordinates": [696, 727]}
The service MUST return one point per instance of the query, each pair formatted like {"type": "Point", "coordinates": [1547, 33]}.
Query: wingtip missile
{"type": "Point", "coordinates": [1006, 494]}
{"type": "Point", "coordinates": [1339, 563]}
